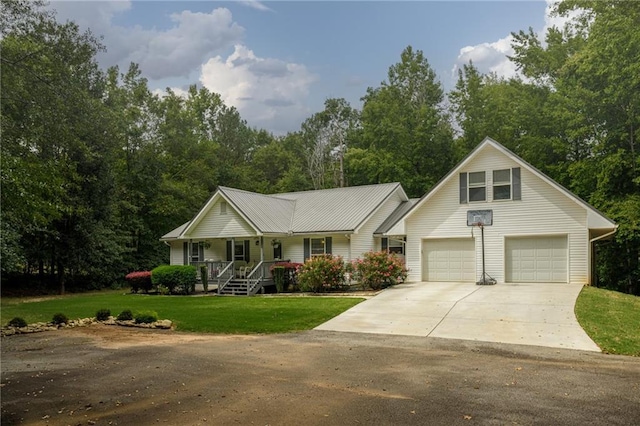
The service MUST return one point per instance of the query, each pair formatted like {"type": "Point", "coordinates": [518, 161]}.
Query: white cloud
{"type": "Point", "coordinates": [255, 5]}
{"type": "Point", "coordinates": [489, 57]}
{"type": "Point", "coordinates": [492, 56]}
{"type": "Point", "coordinates": [174, 52]}
{"type": "Point", "coordinates": [269, 93]}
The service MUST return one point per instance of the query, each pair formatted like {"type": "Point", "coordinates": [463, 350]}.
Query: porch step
{"type": "Point", "coordinates": [238, 287]}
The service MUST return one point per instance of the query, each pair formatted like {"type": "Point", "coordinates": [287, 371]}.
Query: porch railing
{"type": "Point", "coordinates": [225, 276]}
{"type": "Point", "coordinates": [214, 268]}
{"type": "Point", "coordinates": [257, 276]}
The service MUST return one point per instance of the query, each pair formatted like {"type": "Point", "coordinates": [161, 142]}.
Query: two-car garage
{"type": "Point", "coordinates": [526, 259]}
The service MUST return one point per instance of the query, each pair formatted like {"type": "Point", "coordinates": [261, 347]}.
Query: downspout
{"type": "Point", "coordinates": [591, 241]}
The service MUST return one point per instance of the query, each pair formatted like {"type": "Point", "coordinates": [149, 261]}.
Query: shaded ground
{"type": "Point", "coordinates": [114, 376]}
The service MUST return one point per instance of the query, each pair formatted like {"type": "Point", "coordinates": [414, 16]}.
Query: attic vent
{"type": "Point", "coordinates": [223, 207]}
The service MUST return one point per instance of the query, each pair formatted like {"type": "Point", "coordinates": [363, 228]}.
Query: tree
{"type": "Point", "coordinates": [406, 135]}
{"type": "Point", "coordinates": [591, 67]}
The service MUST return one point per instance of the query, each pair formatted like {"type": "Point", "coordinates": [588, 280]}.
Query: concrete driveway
{"type": "Point", "coordinates": [526, 314]}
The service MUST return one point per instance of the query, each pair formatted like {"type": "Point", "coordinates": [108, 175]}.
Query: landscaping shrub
{"type": "Point", "coordinates": [379, 269]}
{"type": "Point", "coordinates": [17, 322]}
{"type": "Point", "coordinates": [204, 278]}
{"type": "Point", "coordinates": [278, 277]}
{"type": "Point", "coordinates": [125, 315]}
{"type": "Point", "coordinates": [60, 319]}
{"type": "Point", "coordinates": [146, 317]}
{"type": "Point", "coordinates": [180, 279]}
{"type": "Point", "coordinates": [103, 314]}
{"type": "Point", "coordinates": [289, 275]}
{"type": "Point", "coordinates": [139, 280]}
{"type": "Point", "coordinates": [322, 273]}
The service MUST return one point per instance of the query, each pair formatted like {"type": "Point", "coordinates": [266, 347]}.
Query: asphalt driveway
{"type": "Point", "coordinates": [526, 314]}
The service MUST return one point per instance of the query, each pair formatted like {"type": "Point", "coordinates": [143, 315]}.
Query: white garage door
{"type": "Point", "coordinates": [536, 259]}
{"type": "Point", "coordinates": [449, 260]}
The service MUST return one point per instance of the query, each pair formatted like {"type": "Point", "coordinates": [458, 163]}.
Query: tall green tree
{"type": "Point", "coordinates": [592, 67]}
{"type": "Point", "coordinates": [406, 135]}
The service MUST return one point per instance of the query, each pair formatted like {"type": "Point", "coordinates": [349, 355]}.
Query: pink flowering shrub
{"type": "Point", "coordinates": [139, 280]}
{"type": "Point", "coordinates": [285, 275]}
{"type": "Point", "coordinates": [379, 269]}
{"type": "Point", "coordinates": [322, 273]}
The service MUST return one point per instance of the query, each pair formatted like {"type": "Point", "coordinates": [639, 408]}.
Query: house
{"type": "Point", "coordinates": [240, 234]}
{"type": "Point", "coordinates": [535, 230]}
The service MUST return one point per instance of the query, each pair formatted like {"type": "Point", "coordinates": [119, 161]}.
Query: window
{"type": "Point", "coordinates": [393, 245]}
{"type": "Point", "coordinates": [317, 246]}
{"type": "Point", "coordinates": [223, 207]}
{"type": "Point", "coordinates": [238, 250]}
{"type": "Point", "coordinates": [502, 184]}
{"type": "Point", "coordinates": [477, 186]}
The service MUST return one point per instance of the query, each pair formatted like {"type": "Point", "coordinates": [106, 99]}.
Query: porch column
{"type": "Point", "coordinates": [261, 249]}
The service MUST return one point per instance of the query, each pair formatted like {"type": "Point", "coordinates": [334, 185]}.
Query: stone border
{"type": "Point", "coordinates": [80, 322]}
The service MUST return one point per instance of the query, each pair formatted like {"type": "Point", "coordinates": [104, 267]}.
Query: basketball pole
{"type": "Point", "coordinates": [485, 279]}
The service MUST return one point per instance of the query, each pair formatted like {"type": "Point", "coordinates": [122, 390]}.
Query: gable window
{"type": "Point", "coordinates": [477, 186]}
{"type": "Point", "coordinates": [502, 184]}
{"type": "Point", "coordinates": [223, 207]}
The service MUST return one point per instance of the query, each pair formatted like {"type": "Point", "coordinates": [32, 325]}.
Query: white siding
{"type": "Point", "coordinates": [364, 241]}
{"type": "Point", "coordinates": [214, 224]}
{"type": "Point", "coordinates": [176, 256]}
{"type": "Point", "coordinates": [543, 210]}
{"type": "Point", "coordinates": [293, 247]}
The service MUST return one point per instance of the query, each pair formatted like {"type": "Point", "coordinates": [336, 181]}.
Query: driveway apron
{"type": "Point", "coordinates": [527, 314]}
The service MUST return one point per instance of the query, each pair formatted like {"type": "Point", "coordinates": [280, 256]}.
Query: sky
{"type": "Point", "coordinates": [278, 61]}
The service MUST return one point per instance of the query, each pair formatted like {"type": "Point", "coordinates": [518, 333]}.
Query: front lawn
{"type": "Point", "coordinates": [611, 319]}
{"type": "Point", "coordinates": [242, 315]}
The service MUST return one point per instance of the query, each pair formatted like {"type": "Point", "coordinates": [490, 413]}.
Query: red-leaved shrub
{"type": "Point", "coordinates": [139, 280]}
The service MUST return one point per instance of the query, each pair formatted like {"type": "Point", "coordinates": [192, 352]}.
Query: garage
{"type": "Point", "coordinates": [536, 259]}
{"type": "Point", "coordinates": [452, 259]}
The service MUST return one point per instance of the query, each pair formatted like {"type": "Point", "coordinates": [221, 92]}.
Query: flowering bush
{"type": "Point", "coordinates": [379, 269]}
{"type": "Point", "coordinates": [322, 273]}
{"type": "Point", "coordinates": [139, 280]}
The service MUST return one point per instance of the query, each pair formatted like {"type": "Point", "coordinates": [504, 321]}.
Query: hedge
{"type": "Point", "coordinates": [179, 279]}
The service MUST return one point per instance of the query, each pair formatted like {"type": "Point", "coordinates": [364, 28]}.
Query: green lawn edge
{"type": "Point", "coordinates": [203, 314]}
{"type": "Point", "coordinates": [611, 319]}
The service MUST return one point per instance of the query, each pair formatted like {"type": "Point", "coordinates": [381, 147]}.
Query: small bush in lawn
{"type": "Point", "coordinates": [139, 280]}
{"type": "Point", "coordinates": [60, 319]}
{"type": "Point", "coordinates": [322, 273]}
{"type": "Point", "coordinates": [103, 314]}
{"type": "Point", "coordinates": [290, 275]}
{"type": "Point", "coordinates": [379, 269]}
{"type": "Point", "coordinates": [146, 317]}
{"type": "Point", "coordinates": [17, 322]}
{"type": "Point", "coordinates": [125, 315]}
{"type": "Point", "coordinates": [179, 279]}
{"type": "Point", "coordinates": [204, 277]}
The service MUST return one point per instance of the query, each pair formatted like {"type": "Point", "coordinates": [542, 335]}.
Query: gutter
{"type": "Point", "coordinates": [608, 234]}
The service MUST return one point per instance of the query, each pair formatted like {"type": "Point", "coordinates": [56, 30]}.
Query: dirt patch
{"type": "Point", "coordinates": [118, 376]}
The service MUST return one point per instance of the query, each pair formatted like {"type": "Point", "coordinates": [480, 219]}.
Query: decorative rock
{"type": "Point", "coordinates": [80, 322]}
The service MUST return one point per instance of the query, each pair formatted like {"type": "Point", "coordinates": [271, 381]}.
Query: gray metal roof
{"type": "Point", "coordinates": [337, 209]}
{"type": "Point", "coordinates": [396, 216]}
{"type": "Point", "coordinates": [268, 213]}
{"type": "Point", "coordinates": [306, 212]}
{"type": "Point", "coordinates": [175, 233]}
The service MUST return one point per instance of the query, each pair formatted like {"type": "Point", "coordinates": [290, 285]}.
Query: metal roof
{"type": "Point", "coordinates": [268, 213]}
{"type": "Point", "coordinates": [395, 216]}
{"type": "Point", "coordinates": [337, 209]}
{"type": "Point", "coordinates": [306, 212]}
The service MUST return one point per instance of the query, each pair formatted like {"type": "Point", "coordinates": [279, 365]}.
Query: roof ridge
{"type": "Point", "coordinates": [336, 189]}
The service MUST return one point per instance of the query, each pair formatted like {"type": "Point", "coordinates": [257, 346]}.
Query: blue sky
{"type": "Point", "coordinates": [278, 61]}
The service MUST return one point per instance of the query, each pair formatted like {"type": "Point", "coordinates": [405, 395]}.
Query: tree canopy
{"type": "Point", "coordinates": [95, 167]}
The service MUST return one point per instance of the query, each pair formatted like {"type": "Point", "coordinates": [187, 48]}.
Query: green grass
{"type": "Point", "coordinates": [611, 319]}
{"type": "Point", "coordinates": [241, 315]}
